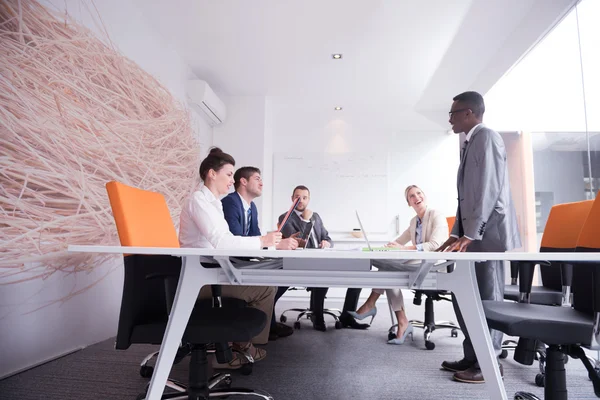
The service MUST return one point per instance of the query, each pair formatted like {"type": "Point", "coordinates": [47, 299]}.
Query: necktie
{"type": "Point", "coordinates": [248, 219]}
{"type": "Point", "coordinates": [463, 149]}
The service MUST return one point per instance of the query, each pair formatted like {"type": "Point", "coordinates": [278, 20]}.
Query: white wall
{"type": "Point", "coordinates": [559, 172]}
{"type": "Point", "coordinates": [421, 152]}
{"type": "Point", "coordinates": [29, 337]}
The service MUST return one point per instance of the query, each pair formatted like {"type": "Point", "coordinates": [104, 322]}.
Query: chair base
{"type": "Point", "coordinates": [219, 387]}
{"type": "Point", "coordinates": [307, 313]}
{"type": "Point", "coordinates": [430, 324]}
{"type": "Point", "coordinates": [555, 387]}
{"type": "Point", "coordinates": [201, 387]}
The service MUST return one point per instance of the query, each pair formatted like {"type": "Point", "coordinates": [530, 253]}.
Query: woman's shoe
{"type": "Point", "coordinates": [400, 340]}
{"type": "Point", "coordinates": [371, 313]}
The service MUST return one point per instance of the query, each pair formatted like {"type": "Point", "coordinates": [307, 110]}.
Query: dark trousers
{"type": "Point", "coordinates": [280, 291]}
{"type": "Point", "coordinates": [490, 279]}
{"type": "Point", "coordinates": [317, 302]}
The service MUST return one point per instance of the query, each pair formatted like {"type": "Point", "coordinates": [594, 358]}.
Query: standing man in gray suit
{"type": "Point", "coordinates": [485, 217]}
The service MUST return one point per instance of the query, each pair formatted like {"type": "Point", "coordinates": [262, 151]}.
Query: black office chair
{"type": "Point", "coordinates": [561, 232]}
{"type": "Point", "coordinates": [307, 313]}
{"type": "Point", "coordinates": [565, 330]}
{"type": "Point", "coordinates": [429, 324]}
{"type": "Point", "coordinates": [148, 291]}
{"type": "Point", "coordinates": [143, 220]}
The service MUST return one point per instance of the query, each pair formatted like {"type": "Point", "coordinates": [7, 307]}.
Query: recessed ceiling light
{"type": "Point", "coordinates": [336, 56]}
{"type": "Point", "coordinates": [338, 109]}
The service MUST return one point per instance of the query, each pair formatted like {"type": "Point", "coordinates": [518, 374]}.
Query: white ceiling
{"type": "Point", "coordinates": [397, 55]}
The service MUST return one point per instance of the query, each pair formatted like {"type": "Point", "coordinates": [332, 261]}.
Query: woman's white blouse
{"type": "Point", "coordinates": [202, 224]}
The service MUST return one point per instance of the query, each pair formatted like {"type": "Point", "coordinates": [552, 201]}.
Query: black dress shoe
{"type": "Point", "coordinates": [349, 322]}
{"type": "Point", "coordinates": [318, 323]}
{"type": "Point", "coordinates": [273, 335]}
{"type": "Point", "coordinates": [458, 366]}
{"type": "Point", "coordinates": [283, 330]}
{"type": "Point", "coordinates": [280, 331]}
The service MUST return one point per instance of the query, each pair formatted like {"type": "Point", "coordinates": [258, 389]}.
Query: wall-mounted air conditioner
{"type": "Point", "coordinates": [205, 102]}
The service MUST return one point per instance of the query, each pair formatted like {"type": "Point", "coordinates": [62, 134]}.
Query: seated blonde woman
{"type": "Point", "coordinates": [426, 232]}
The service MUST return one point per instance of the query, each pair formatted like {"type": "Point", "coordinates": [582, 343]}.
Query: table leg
{"type": "Point", "coordinates": [463, 284]}
{"type": "Point", "coordinates": [193, 277]}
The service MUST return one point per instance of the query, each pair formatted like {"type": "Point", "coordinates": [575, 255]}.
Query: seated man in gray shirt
{"type": "Point", "coordinates": [299, 224]}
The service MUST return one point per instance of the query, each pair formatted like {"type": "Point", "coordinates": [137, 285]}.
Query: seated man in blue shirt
{"type": "Point", "coordinates": [242, 216]}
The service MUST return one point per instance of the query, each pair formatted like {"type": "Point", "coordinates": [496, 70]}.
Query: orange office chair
{"type": "Point", "coordinates": [143, 220]}
{"type": "Point", "coordinates": [429, 324]}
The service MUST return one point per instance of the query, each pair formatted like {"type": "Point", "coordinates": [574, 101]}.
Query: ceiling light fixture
{"type": "Point", "coordinates": [336, 56]}
{"type": "Point", "coordinates": [338, 108]}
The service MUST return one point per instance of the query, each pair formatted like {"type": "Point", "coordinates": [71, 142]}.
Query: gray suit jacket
{"type": "Point", "coordinates": [485, 210]}
{"type": "Point", "coordinates": [295, 224]}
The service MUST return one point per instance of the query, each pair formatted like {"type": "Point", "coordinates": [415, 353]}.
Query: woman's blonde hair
{"type": "Point", "coordinates": [408, 188]}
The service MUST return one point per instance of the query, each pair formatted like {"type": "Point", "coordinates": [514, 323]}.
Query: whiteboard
{"type": "Point", "coordinates": [339, 184]}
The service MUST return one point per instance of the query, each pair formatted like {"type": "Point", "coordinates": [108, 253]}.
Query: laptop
{"type": "Point", "coordinates": [287, 215]}
{"type": "Point", "coordinates": [369, 247]}
{"type": "Point", "coordinates": [305, 235]}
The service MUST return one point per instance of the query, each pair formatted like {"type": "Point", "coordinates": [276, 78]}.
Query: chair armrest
{"type": "Point", "coordinates": [171, 278]}
{"type": "Point", "coordinates": [216, 296]}
{"type": "Point", "coordinates": [526, 270]}
{"type": "Point", "coordinates": [566, 274]}
{"type": "Point", "coordinates": [514, 272]}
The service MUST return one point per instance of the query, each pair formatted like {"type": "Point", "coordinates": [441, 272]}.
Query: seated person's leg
{"type": "Point", "coordinates": [368, 309]}
{"type": "Point", "coordinates": [352, 295]}
{"type": "Point", "coordinates": [279, 329]}
{"type": "Point", "coordinates": [396, 300]}
{"type": "Point", "coordinates": [317, 301]}
{"type": "Point", "coordinates": [259, 297]}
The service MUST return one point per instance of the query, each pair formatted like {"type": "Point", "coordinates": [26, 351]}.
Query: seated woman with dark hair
{"type": "Point", "coordinates": [426, 232]}
{"type": "Point", "coordinates": [203, 225]}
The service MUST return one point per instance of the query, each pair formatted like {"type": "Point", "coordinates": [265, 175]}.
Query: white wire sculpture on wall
{"type": "Point", "coordinates": [75, 114]}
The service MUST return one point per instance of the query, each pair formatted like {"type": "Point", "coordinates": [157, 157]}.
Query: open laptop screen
{"type": "Point", "coordinates": [287, 215]}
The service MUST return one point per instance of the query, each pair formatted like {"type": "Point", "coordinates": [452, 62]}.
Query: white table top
{"type": "Point", "coordinates": [340, 254]}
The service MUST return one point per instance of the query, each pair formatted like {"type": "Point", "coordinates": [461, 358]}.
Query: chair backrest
{"type": "Point", "coordinates": [450, 221]}
{"type": "Point", "coordinates": [143, 220]}
{"type": "Point", "coordinates": [560, 234]}
{"type": "Point", "coordinates": [142, 217]}
{"type": "Point", "coordinates": [586, 277]}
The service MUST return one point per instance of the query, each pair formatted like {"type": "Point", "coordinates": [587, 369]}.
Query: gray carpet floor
{"type": "Point", "coordinates": [337, 364]}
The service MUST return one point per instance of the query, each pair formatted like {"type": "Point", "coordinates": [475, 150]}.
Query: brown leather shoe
{"type": "Point", "coordinates": [458, 366]}
{"type": "Point", "coordinates": [474, 375]}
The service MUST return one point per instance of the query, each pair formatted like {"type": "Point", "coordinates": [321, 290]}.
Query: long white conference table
{"type": "Point", "coordinates": [325, 268]}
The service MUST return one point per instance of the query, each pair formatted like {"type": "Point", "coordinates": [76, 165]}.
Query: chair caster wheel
{"type": "Point", "coordinates": [503, 354]}
{"type": "Point", "coordinates": [146, 371]}
{"type": "Point", "coordinates": [297, 325]}
{"type": "Point", "coordinates": [540, 380]}
{"type": "Point", "coordinates": [283, 318]}
{"type": "Point", "coordinates": [454, 333]}
{"type": "Point", "coordinates": [392, 336]}
{"type": "Point", "coordinates": [246, 368]}
{"type": "Point", "coordinates": [525, 396]}
{"type": "Point", "coordinates": [338, 325]}
{"type": "Point", "coordinates": [429, 345]}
